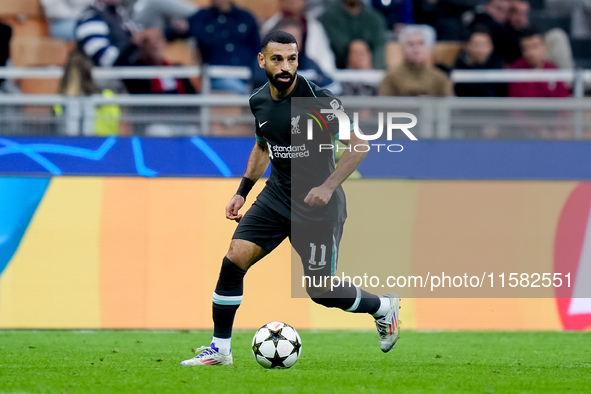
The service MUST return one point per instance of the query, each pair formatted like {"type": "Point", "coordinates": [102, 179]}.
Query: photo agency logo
{"type": "Point", "coordinates": [389, 123]}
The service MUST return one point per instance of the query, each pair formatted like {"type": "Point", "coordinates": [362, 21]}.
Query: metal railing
{"type": "Point", "coordinates": [438, 118]}
{"type": "Point", "coordinates": [199, 114]}
{"type": "Point", "coordinates": [577, 78]}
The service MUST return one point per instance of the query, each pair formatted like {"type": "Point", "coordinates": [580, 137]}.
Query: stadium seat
{"type": "Point", "coordinates": [263, 9]}
{"type": "Point", "coordinates": [446, 52]}
{"type": "Point", "coordinates": [201, 3]}
{"type": "Point", "coordinates": [20, 7]}
{"type": "Point", "coordinates": [38, 52]}
{"type": "Point", "coordinates": [393, 54]}
{"type": "Point", "coordinates": [179, 52]}
{"type": "Point", "coordinates": [28, 27]}
{"type": "Point", "coordinates": [39, 86]}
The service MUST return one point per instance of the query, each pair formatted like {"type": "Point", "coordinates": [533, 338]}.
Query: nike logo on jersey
{"type": "Point", "coordinates": [262, 124]}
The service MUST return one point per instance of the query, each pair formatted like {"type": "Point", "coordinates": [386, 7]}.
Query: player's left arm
{"type": "Point", "coordinates": [321, 195]}
{"type": "Point", "coordinates": [257, 165]}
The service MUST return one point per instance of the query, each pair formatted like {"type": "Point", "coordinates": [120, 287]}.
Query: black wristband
{"type": "Point", "coordinates": [245, 186]}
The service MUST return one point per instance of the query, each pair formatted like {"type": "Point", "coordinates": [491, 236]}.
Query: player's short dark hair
{"type": "Point", "coordinates": [279, 37]}
{"type": "Point", "coordinates": [531, 32]}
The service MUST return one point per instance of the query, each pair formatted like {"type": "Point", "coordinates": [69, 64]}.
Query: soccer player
{"type": "Point", "coordinates": [302, 200]}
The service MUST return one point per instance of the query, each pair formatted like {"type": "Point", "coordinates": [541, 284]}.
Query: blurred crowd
{"type": "Point", "coordinates": [338, 34]}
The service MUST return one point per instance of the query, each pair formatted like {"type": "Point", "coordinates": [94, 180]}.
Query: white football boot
{"type": "Point", "coordinates": [388, 325]}
{"type": "Point", "coordinates": [208, 356]}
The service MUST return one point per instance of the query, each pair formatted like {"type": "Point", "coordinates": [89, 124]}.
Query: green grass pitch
{"type": "Point", "coordinates": [331, 362]}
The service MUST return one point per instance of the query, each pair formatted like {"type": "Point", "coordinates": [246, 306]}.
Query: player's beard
{"type": "Point", "coordinates": [280, 85]}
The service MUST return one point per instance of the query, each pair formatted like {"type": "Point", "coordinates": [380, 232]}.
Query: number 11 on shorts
{"type": "Point", "coordinates": [322, 261]}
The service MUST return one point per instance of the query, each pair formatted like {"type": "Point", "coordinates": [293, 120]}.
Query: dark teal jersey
{"type": "Point", "coordinates": [298, 164]}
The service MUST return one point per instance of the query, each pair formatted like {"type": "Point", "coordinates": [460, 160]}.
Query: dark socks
{"type": "Point", "coordinates": [227, 298]}
{"type": "Point", "coordinates": [349, 298]}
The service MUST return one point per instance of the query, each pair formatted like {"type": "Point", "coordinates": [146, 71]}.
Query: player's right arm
{"type": "Point", "coordinates": [256, 167]}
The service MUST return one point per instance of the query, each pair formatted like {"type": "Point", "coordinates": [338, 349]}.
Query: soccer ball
{"type": "Point", "coordinates": [276, 345]}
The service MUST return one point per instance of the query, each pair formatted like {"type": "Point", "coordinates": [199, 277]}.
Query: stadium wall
{"type": "Point", "coordinates": [133, 252]}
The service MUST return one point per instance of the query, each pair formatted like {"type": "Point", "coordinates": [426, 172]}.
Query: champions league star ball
{"type": "Point", "coordinates": [276, 345]}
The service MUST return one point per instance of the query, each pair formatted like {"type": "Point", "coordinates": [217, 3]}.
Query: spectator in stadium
{"type": "Point", "coordinates": [415, 77]}
{"type": "Point", "coordinates": [7, 125]}
{"type": "Point", "coordinates": [397, 13]}
{"type": "Point", "coordinates": [557, 41]}
{"type": "Point", "coordinates": [306, 66]}
{"type": "Point", "coordinates": [77, 81]}
{"type": "Point", "coordinates": [349, 20]}
{"type": "Point", "coordinates": [6, 85]}
{"type": "Point", "coordinates": [152, 46]}
{"type": "Point", "coordinates": [62, 16]}
{"type": "Point", "coordinates": [444, 15]}
{"type": "Point", "coordinates": [315, 44]}
{"type": "Point", "coordinates": [169, 14]}
{"type": "Point", "coordinates": [358, 58]}
{"type": "Point", "coordinates": [494, 18]}
{"type": "Point", "coordinates": [5, 37]}
{"type": "Point", "coordinates": [534, 57]}
{"type": "Point", "coordinates": [226, 36]}
{"type": "Point", "coordinates": [478, 55]}
{"type": "Point", "coordinates": [517, 22]}
{"type": "Point", "coordinates": [105, 33]}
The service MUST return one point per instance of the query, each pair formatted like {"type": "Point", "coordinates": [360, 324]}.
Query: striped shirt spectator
{"type": "Point", "coordinates": [105, 33]}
